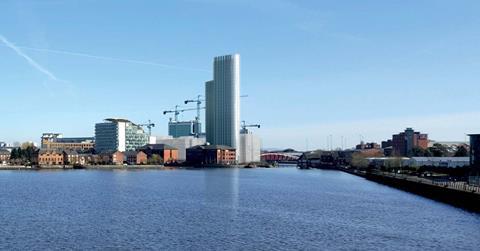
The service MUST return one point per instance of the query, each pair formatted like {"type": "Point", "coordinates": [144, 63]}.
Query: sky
{"type": "Point", "coordinates": [350, 69]}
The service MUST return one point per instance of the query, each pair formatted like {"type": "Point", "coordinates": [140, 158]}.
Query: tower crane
{"type": "Point", "coordinates": [148, 125]}
{"type": "Point", "coordinates": [199, 103]}
{"type": "Point", "coordinates": [177, 111]}
{"type": "Point", "coordinates": [244, 126]}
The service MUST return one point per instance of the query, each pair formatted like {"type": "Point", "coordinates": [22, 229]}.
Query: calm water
{"type": "Point", "coordinates": [249, 209]}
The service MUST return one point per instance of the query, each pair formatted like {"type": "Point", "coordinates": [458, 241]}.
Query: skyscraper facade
{"type": "Point", "coordinates": [223, 102]}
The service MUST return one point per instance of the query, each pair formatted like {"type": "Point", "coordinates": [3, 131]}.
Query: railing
{"type": "Point", "coordinates": [442, 182]}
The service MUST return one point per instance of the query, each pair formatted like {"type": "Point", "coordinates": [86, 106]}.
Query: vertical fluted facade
{"type": "Point", "coordinates": [223, 102]}
{"type": "Point", "coordinates": [210, 111]}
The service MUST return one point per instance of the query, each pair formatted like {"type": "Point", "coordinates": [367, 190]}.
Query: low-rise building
{"type": "Point", "coordinates": [111, 158]}
{"type": "Point", "coordinates": [4, 156]}
{"type": "Point", "coordinates": [50, 157]}
{"type": "Point", "coordinates": [450, 162]}
{"type": "Point", "coordinates": [71, 157]}
{"type": "Point", "coordinates": [136, 157]}
{"type": "Point", "coordinates": [168, 153]}
{"type": "Point", "coordinates": [181, 143]}
{"type": "Point", "coordinates": [51, 141]}
{"type": "Point", "coordinates": [211, 155]}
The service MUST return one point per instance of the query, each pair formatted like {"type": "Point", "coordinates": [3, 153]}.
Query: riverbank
{"type": "Point", "coordinates": [458, 194]}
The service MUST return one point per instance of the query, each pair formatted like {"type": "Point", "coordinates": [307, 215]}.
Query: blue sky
{"type": "Point", "coordinates": [311, 68]}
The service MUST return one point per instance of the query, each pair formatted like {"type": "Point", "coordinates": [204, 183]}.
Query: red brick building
{"type": "Point", "coordinates": [114, 158]}
{"type": "Point", "coordinates": [404, 142]}
{"type": "Point", "coordinates": [50, 157]}
{"type": "Point", "coordinates": [211, 155]}
{"type": "Point", "coordinates": [136, 158]}
{"type": "Point", "coordinates": [169, 154]}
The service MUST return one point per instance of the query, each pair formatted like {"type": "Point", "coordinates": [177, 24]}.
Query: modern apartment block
{"type": "Point", "coordinates": [56, 141]}
{"type": "Point", "coordinates": [223, 102]}
{"type": "Point", "coordinates": [249, 148]}
{"type": "Point", "coordinates": [119, 135]}
{"type": "Point", "coordinates": [404, 142]}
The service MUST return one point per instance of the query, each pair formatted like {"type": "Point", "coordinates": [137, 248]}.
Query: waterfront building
{"type": "Point", "coordinates": [169, 154]}
{"type": "Point", "coordinates": [136, 157]}
{"type": "Point", "coordinates": [211, 155]}
{"type": "Point", "coordinates": [57, 141]}
{"type": "Point", "coordinates": [249, 148]}
{"type": "Point", "coordinates": [181, 143]}
{"type": "Point", "coordinates": [4, 156]}
{"type": "Point", "coordinates": [404, 142]}
{"type": "Point", "coordinates": [71, 157]}
{"type": "Point", "coordinates": [184, 128]}
{"type": "Point", "coordinates": [119, 135]}
{"type": "Point", "coordinates": [50, 157]}
{"type": "Point", "coordinates": [223, 102]}
{"type": "Point", "coordinates": [111, 158]}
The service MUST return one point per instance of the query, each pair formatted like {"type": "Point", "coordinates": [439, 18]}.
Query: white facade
{"type": "Point", "coordinates": [223, 102]}
{"type": "Point", "coordinates": [122, 142]}
{"type": "Point", "coordinates": [249, 150]}
{"type": "Point", "coordinates": [181, 143]}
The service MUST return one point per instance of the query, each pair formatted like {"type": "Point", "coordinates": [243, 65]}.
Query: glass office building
{"type": "Point", "coordinates": [119, 135]}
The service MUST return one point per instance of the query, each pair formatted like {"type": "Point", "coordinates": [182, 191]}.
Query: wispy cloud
{"type": "Point", "coordinates": [123, 60]}
{"type": "Point", "coordinates": [32, 62]}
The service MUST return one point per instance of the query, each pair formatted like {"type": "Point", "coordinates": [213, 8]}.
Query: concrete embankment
{"type": "Point", "coordinates": [467, 197]}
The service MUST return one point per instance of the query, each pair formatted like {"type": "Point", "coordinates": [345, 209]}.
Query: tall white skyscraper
{"type": "Point", "coordinates": [223, 102]}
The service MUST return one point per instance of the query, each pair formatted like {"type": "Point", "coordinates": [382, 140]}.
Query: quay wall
{"type": "Point", "coordinates": [465, 199]}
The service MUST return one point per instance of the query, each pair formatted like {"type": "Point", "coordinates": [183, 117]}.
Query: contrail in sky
{"type": "Point", "coordinates": [29, 59]}
{"type": "Point", "coordinates": [132, 61]}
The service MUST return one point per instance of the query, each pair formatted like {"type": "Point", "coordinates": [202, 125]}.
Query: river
{"type": "Point", "coordinates": [218, 209]}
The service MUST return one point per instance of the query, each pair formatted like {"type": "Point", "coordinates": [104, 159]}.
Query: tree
{"type": "Point", "coordinates": [155, 160]}
{"type": "Point", "coordinates": [438, 150]}
{"type": "Point", "coordinates": [461, 152]}
{"type": "Point", "coordinates": [359, 160]}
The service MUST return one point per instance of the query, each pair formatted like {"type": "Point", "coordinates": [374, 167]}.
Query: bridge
{"type": "Point", "coordinates": [281, 157]}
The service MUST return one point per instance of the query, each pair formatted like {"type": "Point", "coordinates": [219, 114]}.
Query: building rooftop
{"type": "Point", "coordinates": [158, 147]}
{"type": "Point", "coordinates": [213, 147]}
{"type": "Point", "coordinates": [117, 120]}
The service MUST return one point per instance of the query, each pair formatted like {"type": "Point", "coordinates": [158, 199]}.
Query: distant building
{"type": "Point", "coordinates": [57, 141]}
{"type": "Point", "coordinates": [4, 156]}
{"type": "Point", "coordinates": [51, 157]}
{"type": "Point", "coordinates": [181, 143]}
{"type": "Point", "coordinates": [136, 157]}
{"type": "Point", "coordinates": [449, 162]}
{"type": "Point", "coordinates": [363, 146]}
{"type": "Point", "coordinates": [119, 135]}
{"type": "Point", "coordinates": [249, 148]}
{"type": "Point", "coordinates": [404, 142]}
{"type": "Point", "coordinates": [211, 155]}
{"type": "Point", "coordinates": [475, 150]}
{"type": "Point", "coordinates": [168, 153]}
{"type": "Point", "coordinates": [178, 129]}
{"type": "Point", "coordinates": [223, 102]}
{"type": "Point", "coordinates": [71, 157]}
{"type": "Point", "coordinates": [111, 158]}
{"type": "Point", "coordinates": [387, 144]}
